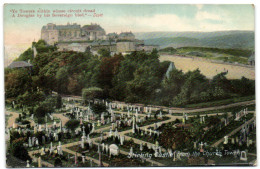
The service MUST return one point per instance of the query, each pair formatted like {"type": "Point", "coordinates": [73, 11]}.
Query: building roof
{"type": "Point", "coordinates": [93, 27]}
{"type": "Point", "coordinates": [112, 34]}
{"type": "Point", "coordinates": [170, 68]}
{"type": "Point", "coordinates": [19, 64]}
{"type": "Point", "coordinates": [60, 27]}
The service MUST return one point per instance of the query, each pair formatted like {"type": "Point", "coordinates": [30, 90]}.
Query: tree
{"type": "Point", "coordinates": [98, 108]}
{"type": "Point", "coordinates": [17, 81]}
{"type": "Point", "coordinates": [104, 53]}
{"type": "Point", "coordinates": [91, 93]}
{"type": "Point", "coordinates": [17, 149]}
{"type": "Point", "coordinates": [109, 67]}
{"type": "Point", "coordinates": [57, 162]}
{"type": "Point", "coordinates": [62, 79]}
{"type": "Point", "coordinates": [72, 124]}
{"type": "Point", "coordinates": [59, 102]}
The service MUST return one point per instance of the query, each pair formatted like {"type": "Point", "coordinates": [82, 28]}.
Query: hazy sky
{"type": "Point", "coordinates": [135, 18]}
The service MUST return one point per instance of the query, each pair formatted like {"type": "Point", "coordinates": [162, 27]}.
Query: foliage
{"type": "Point", "coordinates": [91, 93]}
{"type": "Point", "coordinates": [135, 77]}
{"type": "Point", "coordinates": [17, 149]}
{"type": "Point", "coordinates": [98, 108]}
{"type": "Point", "coordinates": [59, 102]}
{"type": "Point", "coordinates": [72, 124]}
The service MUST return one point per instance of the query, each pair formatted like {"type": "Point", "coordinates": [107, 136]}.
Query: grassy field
{"type": "Point", "coordinates": [226, 55]}
{"type": "Point", "coordinates": [209, 69]}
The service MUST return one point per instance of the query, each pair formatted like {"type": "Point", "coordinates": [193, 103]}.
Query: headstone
{"type": "Point", "coordinates": [98, 123]}
{"type": "Point", "coordinates": [30, 142]}
{"type": "Point", "coordinates": [156, 153]}
{"type": "Point", "coordinates": [174, 156]}
{"type": "Point", "coordinates": [51, 148]}
{"type": "Point", "coordinates": [233, 140]}
{"type": "Point", "coordinates": [141, 147]}
{"type": "Point", "coordinates": [225, 139]}
{"type": "Point", "coordinates": [131, 152]}
{"type": "Point", "coordinates": [83, 159]}
{"type": "Point", "coordinates": [113, 149]}
{"type": "Point", "coordinates": [91, 163]}
{"type": "Point", "coordinates": [59, 148]}
{"type": "Point", "coordinates": [42, 152]}
{"type": "Point", "coordinates": [39, 162]}
{"type": "Point", "coordinates": [28, 164]}
{"type": "Point", "coordinates": [243, 156]}
{"type": "Point", "coordinates": [194, 145]}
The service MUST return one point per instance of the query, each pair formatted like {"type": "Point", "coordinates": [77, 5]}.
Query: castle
{"type": "Point", "coordinates": [76, 38]}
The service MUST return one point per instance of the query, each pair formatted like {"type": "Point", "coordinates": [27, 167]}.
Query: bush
{"type": "Point", "coordinates": [72, 124]}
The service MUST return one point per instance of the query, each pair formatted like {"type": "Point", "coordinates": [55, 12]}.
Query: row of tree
{"type": "Point", "coordinates": [136, 77]}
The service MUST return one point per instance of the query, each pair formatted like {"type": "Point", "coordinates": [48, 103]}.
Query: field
{"type": "Point", "coordinates": [209, 69]}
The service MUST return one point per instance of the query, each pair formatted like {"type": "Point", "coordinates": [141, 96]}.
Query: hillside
{"type": "Point", "coordinates": [221, 39]}
{"type": "Point", "coordinates": [224, 55]}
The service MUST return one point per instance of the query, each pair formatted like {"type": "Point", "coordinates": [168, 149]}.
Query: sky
{"type": "Point", "coordinates": [135, 18]}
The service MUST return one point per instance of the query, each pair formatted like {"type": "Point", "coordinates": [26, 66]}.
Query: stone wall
{"type": "Point", "coordinates": [125, 47]}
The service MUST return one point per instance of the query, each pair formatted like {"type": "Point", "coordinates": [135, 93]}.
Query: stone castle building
{"type": "Point", "coordinates": [93, 36]}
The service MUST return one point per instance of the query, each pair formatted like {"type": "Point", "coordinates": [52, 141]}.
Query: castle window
{"type": "Point", "coordinates": [75, 34]}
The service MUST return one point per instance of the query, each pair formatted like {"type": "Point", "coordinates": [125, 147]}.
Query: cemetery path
{"type": "Point", "coordinates": [121, 112]}
{"type": "Point", "coordinates": [216, 107]}
{"type": "Point", "coordinates": [179, 110]}
{"type": "Point", "coordinates": [63, 118]}
{"type": "Point", "coordinates": [11, 120]}
{"type": "Point", "coordinates": [102, 129]}
{"type": "Point", "coordinates": [232, 132]}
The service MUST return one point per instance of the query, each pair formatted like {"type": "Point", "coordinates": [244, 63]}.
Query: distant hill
{"type": "Point", "coordinates": [220, 39]}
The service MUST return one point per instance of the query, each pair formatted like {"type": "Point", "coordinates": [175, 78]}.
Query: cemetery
{"type": "Point", "coordinates": [124, 135]}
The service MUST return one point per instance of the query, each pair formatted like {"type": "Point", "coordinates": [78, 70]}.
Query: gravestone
{"type": "Point", "coordinates": [83, 159]}
{"type": "Point", "coordinates": [226, 140]}
{"type": "Point", "coordinates": [114, 150]}
{"type": "Point", "coordinates": [243, 156]}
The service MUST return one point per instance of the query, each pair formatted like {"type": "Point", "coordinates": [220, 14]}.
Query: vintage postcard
{"type": "Point", "coordinates": [133, 85]}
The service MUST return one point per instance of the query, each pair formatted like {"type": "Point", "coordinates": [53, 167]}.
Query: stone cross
{"type": "Point", "coordinates": [201, 145]}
